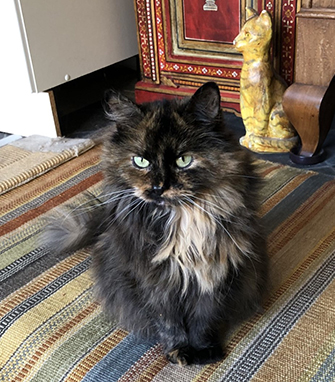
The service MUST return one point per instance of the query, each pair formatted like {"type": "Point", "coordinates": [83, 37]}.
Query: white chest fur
{"type": "Point", "coordinates": [190, 246]}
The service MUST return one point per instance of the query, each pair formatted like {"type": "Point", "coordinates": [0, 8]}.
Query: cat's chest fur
{"type": "Point", "coordinates": [189, 245]}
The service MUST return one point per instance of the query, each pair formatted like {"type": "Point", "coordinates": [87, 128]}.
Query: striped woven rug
{"type": "Point", "coordinates": [27, 158]}
{"type": "Point", "coordinates": [52, 329]}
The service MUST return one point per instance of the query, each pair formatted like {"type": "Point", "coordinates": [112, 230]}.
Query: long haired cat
{"type": "Point", "coordinates": [177, 250]}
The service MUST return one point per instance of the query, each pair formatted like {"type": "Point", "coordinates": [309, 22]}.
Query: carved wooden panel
{"type": "Point", "coordinates": [315, 51]}
{"type": "Point", "coordinates": [185, 43]}
{"type": "Point", "coordinates": [318, 4]}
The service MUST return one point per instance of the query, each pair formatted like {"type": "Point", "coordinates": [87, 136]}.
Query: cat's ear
{"type": "Point", "coordinates": [205, 103]}
{"type": "Point", "coordinates": [250, 13]}
{"type": "Point", "coordinates": [119, 108]}
{"type": "Point", "coordinates": [265, 18]}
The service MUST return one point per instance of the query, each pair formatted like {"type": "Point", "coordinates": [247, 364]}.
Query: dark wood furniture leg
{"type": "Point", "coordinates": [310, 109]}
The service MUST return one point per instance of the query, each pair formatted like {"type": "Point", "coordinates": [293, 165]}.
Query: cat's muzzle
{"type": "Point", "coordinates": [155, 195]}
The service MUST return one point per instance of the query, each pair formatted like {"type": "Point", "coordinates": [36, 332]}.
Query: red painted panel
{"type": "Point", "coordinates": [222, 25]}
{"type": "Point", "coordinates": [147, 92]}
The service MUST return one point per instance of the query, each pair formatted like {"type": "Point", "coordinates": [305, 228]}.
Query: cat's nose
{"type": "Point", "coordinates": [157, 190]}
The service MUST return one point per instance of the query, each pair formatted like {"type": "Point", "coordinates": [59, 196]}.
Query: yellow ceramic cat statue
{"type": "Point", "coordinates": [261, 89]}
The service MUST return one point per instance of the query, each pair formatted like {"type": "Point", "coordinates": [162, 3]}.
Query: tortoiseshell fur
{"type": "Point", "coordinates": [178, 254]}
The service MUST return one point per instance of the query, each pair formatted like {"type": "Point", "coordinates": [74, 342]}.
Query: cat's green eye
{"type": "Point", "coordinates": [141, 162]}
{"type": "Point", "coordinates": [184, 161]}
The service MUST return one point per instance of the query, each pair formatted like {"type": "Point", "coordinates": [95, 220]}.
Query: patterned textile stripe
{"type": "Point", "coordinates": [304, 213]}
{"type": "Point", "coordinates": [276, 176]}
{"type": "Point", "coordinates": [12, 242]}
{"type": "Point", "coordinates": [286, 189]}
{"type": "Point", "coordinates": [320, 252]}
{"type": "Point", "coordinates": [18, 247]}
{"type": "Point", "coordinates": [280, 324]}
{"type": "Point", "coordinates": [32, 190]}
{"type": "Point", "coordinates": [33, 287]}
{"type": "Point", "coordinates": [15, 265]}
{"type": "Point", "coordinates": [317, 323]}
{"type": "Point", "coordinates": [175, 373]}
{"type": "Point", "coordinates": [327, 371]}
{"type": "Point", "coordinates": [26, 196]}
{"type": "Point", "coordinates": [148, 366]}
{"type": "Point", "coordinates": [19, 168]}
{"type": "Point", "coordinates": [303, 230]}
{"type": "Point", "coordinates": [8, 155]}
{"type": "Point", "coordinates": [48, 300]}
{"type": "Point", "coordinates": [93, 356]}
{"type": "Point", "coordinates": [280, 212]}
{"type": "Point", "coordinates": [47, 334]}
{"type": "Point", "coordinates": [37, 201]}
{"type": "Point", "coordinates": [14, 250]}
{"type": "Point", "coordinates": [61, 198]}
{"type": "Point", "coordinates": [83, 338]}
{"type": "Point", "coordinates": [117, 361]}
{"type": "Point", "coordinates": [241, 365]}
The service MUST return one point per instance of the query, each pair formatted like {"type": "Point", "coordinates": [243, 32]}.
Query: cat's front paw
{"type": "Point", "coordinates": [181, 356]}
{"type": "Point", "coordinates": [189, 356]}
{"type": "Point", "coordinates": [211, 354]}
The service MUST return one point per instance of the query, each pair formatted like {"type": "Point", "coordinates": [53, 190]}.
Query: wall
{"type": "Point", "coordinates": [21, 112]}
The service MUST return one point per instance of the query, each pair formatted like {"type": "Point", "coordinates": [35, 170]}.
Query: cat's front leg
{"type": "Point", "coordinates": [173, 337]}
{"type": "Point", "coordinates": [191, 339]}
{"type": "Point", "coordinates": [206, 342]}
{"type": "Point", "coordinates": [206, 328]}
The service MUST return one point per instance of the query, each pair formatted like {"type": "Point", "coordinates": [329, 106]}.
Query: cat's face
{"type": "Point", "coordinates": [171, 151]}
{"type": "Point", "coordinates": [256, 33]}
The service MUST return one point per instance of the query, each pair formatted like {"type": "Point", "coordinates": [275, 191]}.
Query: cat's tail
{"type": "Point", "coordinates": [69, 229]}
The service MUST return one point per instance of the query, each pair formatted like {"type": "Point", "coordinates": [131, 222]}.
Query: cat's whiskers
{"type": "Point", "coordinates": [134, 204]}
{"type": "Point", "coordinates": [119, 195]}
{"type": "Point", "coordinates": [130, 207]}
{"type": "Point", "coordinates": [97, 205]}
{"type": "Point", "coordinates": [80, 210]}
{"type": "Point", "coordinates": [241, 176]}
{"type": "Point", "coordinates": [119, 198]}
{"type": "Point", "coordinates": [216, 206]}
{"type": "Point", "coordinates": [211, 215]}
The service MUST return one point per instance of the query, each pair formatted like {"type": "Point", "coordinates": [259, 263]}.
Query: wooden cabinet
{"type": "Point", "coordinates": [184, 43]}
{"type": "Point", "coordinates": [45, 44]}
{"type": "Point", "coordinates": [64, 40]}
